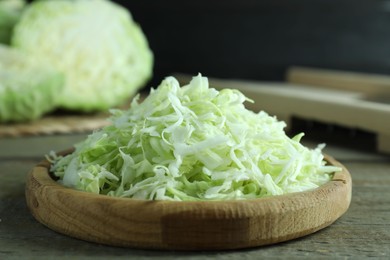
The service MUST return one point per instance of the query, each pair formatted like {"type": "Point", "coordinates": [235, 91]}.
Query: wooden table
{"type": "Point", "coordinates": [364, 231]}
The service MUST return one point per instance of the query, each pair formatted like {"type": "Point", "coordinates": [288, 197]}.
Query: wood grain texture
{"type": "Point", "coordinates": [362, 232]}
{"type": "Point", "coordinates": [371, 85]}
{"type": "Point", "coordinates": [185, 225]}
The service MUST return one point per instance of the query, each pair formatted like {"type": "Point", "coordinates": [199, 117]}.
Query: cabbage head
{"type": "Point", "coordinates": [102, 52]}
{"type": "Point", "coordinates": [192, 143]}
{"type": "Point", "coordinates": [10, 11]}
{"type": "Point", "coordinates": [28, 86]}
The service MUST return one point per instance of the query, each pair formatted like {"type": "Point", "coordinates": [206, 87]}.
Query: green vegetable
{"type": "Point", "coordinates": [192, 143]}
{"type": "Point", "coordinates": [10, 11]}
{"type": "Point", "coordinates": [28, 86]}
{"type": "Point", "coordinates": [102, 52]}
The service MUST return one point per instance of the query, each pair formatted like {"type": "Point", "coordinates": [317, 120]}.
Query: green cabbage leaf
{"type": "Point", "coordinates": [10, 12]}
{"type": "Point", "coordinates": [29, 87]}
{"type": "Point", "coordinates": [192, 143]}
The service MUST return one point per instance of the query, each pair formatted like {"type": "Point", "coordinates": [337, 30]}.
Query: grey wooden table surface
{"type": "Point", "coordinates": [364, 231]}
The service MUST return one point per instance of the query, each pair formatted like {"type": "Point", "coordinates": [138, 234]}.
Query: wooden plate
{"type": "Point", "coordinates": [185, 225]}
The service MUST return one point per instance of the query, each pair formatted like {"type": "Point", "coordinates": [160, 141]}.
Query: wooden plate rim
{"type": "Point", "coordinates": [167, 214]}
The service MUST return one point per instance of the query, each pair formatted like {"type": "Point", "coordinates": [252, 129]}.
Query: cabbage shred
{"type": "Point", "coordinates": [192, 143]}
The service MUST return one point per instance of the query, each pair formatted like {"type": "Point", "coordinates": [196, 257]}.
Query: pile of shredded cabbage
{"type": "Point", "coordinates": [192, 143]}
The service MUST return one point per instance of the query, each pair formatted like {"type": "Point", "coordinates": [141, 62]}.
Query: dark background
{"type": "Point", "coordinates": [259, 40]}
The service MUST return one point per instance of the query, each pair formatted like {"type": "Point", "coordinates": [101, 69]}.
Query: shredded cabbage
{"type": "Point", "coordinates": [192, 143]}
{"type": "Point", "coordinates": [102, 52]}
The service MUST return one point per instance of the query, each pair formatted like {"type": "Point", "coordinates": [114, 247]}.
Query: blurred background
{"type": "Point", "coordinates": [259, 39]}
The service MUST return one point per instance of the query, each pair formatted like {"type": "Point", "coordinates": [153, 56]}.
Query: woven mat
{"type": "Point", "coordinates": [56, 124]}
{"type": "Point", "coordinates": [62, 123]}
